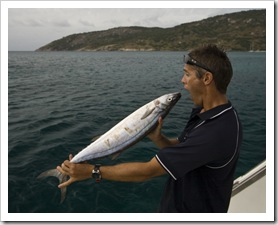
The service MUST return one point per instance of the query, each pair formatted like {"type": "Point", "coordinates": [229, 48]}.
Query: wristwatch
{"type": "Point", "coordinates": [96, 173]}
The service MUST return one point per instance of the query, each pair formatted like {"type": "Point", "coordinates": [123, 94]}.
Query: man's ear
{"type": "Point", "coordinates": [207, 78]}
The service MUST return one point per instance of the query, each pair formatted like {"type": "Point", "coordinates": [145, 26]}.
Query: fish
{"type": "Point", "coordinates": [123, 135]}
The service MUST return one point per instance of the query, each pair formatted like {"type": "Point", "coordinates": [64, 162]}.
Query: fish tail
{"type": "Point", "coordinates": [62, 178]}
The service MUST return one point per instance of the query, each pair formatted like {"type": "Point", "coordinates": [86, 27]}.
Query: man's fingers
{"type": "Point", "coordinates": [160, 121]}
{"type": "Point", "coordinates": [66, 163]}
{"type": "Point", "coordinates": [61, 170]}
{"type": "Point", "coordinates": [70, 157]}
{"type": "Point", "coordinates": [65, 184]}
{"type": "Point", "coordinates": [65, 168]}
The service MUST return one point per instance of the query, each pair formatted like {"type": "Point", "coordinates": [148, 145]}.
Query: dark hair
{"type": "Point", "coordinates": [218, 63]}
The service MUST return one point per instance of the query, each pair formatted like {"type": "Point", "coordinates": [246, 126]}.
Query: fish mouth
{"type": "Point", "coordinates": [176, 96]}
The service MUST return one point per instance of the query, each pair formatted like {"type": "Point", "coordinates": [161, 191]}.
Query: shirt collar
{"type": "Point", "coordinates": [214, 112]}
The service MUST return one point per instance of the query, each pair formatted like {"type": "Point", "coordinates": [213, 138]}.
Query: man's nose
{"type": "Point", "coordinates": [183, 79]}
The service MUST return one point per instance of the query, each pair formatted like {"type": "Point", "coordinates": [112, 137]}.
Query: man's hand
{"type": "Point", "coordinates": [76, 171]}
{"type": "Point", "coordinates": [159, 139]}
{"type": "Point", "coordinates": [155, 135]}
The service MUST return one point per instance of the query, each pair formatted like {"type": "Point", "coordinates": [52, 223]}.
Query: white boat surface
{"type": "Point", "coordinates": [249, 191]}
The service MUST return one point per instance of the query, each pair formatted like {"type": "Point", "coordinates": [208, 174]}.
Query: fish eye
{"type": "Point", "coordinates": [169, 99]}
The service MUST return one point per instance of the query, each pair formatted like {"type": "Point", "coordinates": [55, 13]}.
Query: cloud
{"type": "Point", "coordinates": [86, 23]}
{"type": "Point", "coordinates": [61, 23]}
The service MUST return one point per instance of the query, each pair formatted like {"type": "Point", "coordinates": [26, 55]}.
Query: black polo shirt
{"type": "Point", "coordinates": [202, 166]}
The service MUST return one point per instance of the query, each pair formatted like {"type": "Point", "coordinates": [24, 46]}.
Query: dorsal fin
{"type": "Point", "coordinates": [95, 138]}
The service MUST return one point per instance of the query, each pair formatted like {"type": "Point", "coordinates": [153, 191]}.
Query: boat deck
{"type": "Point", "coordinates": [249, 192]}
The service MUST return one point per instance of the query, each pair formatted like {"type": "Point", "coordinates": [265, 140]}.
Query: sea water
{"type": "Point", "coordinates": [59, 101]}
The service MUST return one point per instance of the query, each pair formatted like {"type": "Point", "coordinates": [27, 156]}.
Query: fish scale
{"type": "Point", "coordinates": [125, 133]}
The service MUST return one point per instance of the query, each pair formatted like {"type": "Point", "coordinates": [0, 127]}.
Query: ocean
{"type": "Point", "coordinates": [59, 101]}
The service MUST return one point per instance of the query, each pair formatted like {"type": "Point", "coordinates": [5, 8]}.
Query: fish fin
{"type": "Point", "coordinates": [63, 189]}
{"type": "Point", "coordinates": [148, 112]}
{"type": "Point", "coordinates": [95, 138]}
{"type": "Point", "coordinates": [62, 178]}
{"type": "Point", "coordinates": [115, 155]}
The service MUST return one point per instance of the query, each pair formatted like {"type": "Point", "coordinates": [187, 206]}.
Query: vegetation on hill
{"type": "Point", "coordinates": [240, 31]}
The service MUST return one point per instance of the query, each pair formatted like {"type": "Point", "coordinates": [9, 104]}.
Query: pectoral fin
{"type": "Point", "coordinates": [148, 112]}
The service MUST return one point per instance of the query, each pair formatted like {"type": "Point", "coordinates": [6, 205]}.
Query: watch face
{"type": "Point", "coordinates": [96, 173]}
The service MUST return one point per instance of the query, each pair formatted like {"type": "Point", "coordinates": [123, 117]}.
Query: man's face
{"type": "Point", "coordinates": [193, 84]}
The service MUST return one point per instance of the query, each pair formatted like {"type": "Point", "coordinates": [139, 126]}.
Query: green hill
{"type": "Point", "coordinates": [241, 31]}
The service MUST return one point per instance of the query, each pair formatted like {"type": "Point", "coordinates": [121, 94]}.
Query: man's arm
{"type": "Point", "coordinates": [133, 172]}
{"type": "Point", "coordinates": [129, 172]}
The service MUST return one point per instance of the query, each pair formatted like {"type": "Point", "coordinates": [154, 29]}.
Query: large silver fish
{"type": "Point", "coordinates": [123, 135]}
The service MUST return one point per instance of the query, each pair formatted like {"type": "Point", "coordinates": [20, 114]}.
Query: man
{"type": "Point", "coordinates": [201, 161]}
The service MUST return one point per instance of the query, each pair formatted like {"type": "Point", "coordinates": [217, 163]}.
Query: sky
{"type": "Point", "coordinates": [31, 28]}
